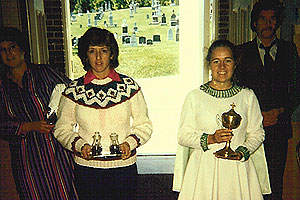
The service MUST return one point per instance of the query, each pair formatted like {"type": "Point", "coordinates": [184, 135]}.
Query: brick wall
{"type": "Point", "coordinates": [223, 23]}
{"type": "Point", "coordinates": [53, 12]}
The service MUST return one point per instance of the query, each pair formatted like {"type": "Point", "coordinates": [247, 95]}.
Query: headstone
{"type": "Point", "coordinates": [74, 41]}
{"type": "Point", "coordinates": [133, 40]}
{"type": "Point", "coordinates": [109, 6]}
{"type": "Point", "coordinates": [135, 28]}
{"type": "Point", "coordinates": [156, 38]}
{"type": "Point", "coordinates": [110, 20]}
{"type": "Point", "coordinates": [173, 21]}
{"type": "Point", "coordinates": [73, 18]}
{"type": "Point", "coordinates": [177, 33]}
{"type": "Point", "coordinates": [142, 40]}
{"type": "Point", "coordinates": [105, 6]}
{"type": "Point", "coordinates": [154, 19]}
{"type": "Point", "coordinates": [95, 23]}
{"type": "Point", "coordinates": [124, 30]}
{"type": "Point", "coordinates": [131, 10]}
{"type": "Point", "coordinates": [149, 42]}
{"type": "Point", "coordinates": [163, 20]}
{"type": "Point", "coordinates": [173, 3]}
{"type": "Point", "coordinates": [127, 40]}
{"type": "Point", "coordinates": [89, 22]}
{"type": "Point", "coordinates": [170, 34]}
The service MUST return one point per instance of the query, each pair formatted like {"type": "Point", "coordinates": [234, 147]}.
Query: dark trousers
{"type": "Point", "coordinates": [276, 147]}
{"type": "Point", "coordinates": [106, 184]}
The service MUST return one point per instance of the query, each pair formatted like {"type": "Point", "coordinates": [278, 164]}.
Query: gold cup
{"type": "Point", "coordinates": [230, 120]}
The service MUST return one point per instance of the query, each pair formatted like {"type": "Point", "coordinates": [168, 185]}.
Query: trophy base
{"type": "Point", "coordinates": [225, 153]}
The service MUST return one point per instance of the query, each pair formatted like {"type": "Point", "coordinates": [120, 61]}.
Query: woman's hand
{"type": "Point", "coordinates": [220, 136]}
{"type": "Point", "coordinates": [125, 149]}
{"type": "Point", "coordinates": [86, 151]}
{"type": "Point", "coordinates": [40, 126]}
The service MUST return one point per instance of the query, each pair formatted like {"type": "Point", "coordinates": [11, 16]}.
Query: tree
{"type": "Point", "coordinates": [72, 5]}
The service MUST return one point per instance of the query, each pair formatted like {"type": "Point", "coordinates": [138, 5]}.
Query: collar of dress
{"type": "Point", "coordinates": [102, 94]}
{"type": "Point", "coordinates": [235, 89]}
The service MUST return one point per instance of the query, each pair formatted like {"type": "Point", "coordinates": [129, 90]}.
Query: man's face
{"type": "Point", "coordinates": [265, 25]}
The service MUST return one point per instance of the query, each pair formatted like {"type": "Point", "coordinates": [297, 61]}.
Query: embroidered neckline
{"type": "Point", "coordinates": [235, 89]}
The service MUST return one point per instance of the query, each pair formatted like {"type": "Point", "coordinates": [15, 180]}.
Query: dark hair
{"type": "Point", "coordinates": [221, 43]}
{"type": "Point", "coordinates": [13, 35]}
{"type": "Point", "coordinates": [261, 5]}
{"type": "Point", "coordinates": [97, 37]}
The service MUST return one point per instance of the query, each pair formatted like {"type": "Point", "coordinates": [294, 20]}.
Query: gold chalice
{"type": "Point", "coordinates": [230, 120]}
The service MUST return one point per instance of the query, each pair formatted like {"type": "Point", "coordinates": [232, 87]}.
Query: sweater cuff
{"type": "Point", "coordinates": [133, 141]}
{"type": "Point", "coordinates": [203, 141]}
{"type": "Point", "coordinates": [244, 151]}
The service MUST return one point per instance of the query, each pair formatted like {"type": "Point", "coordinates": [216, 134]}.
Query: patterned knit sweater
{"type": "Point", "coordinates": [104, 106]}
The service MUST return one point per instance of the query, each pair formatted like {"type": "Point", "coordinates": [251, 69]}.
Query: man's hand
{"type": "Point", "coordinates": [270, 117]}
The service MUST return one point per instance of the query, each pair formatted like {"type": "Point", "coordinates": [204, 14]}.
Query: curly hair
{"type": "Point", "coordinates": [261, 5]}
{"type": "Point", "coordinates": [97, 37]}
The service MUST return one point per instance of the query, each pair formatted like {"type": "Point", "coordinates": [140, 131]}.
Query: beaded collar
{"type": "Point", "coordinates": [235, 89]}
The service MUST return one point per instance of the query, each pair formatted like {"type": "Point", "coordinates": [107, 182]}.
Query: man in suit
{"type": "Point", "coordinates": [270, 66]}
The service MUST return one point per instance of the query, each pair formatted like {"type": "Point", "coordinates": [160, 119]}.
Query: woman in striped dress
{"type": "Point", "coordinates": [42, 169]}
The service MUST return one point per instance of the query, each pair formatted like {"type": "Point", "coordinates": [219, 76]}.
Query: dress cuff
{"type": "Point", "coordinates": [203, 141]}
{"type": "Point", "coordinates": [244, 151]}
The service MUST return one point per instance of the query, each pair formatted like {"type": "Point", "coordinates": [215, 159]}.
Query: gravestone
{"type": "Point", "coordinates": [142, 40]}
{"type": "Point", "coordinates": [110, 20]}
{"type": "Point", "coordinates": [124, 30]}
{"type": "Point", "coordinates": [127, 40]}
{"type": "Point", "coordinates": [149, 42]}
{"type": "Point", "coordinates": [89, 22]}
{"type": "Point", "coordinates": [170, 34]}
{"type": "Point", "coordinates": [109, 6]}
{"type": "Point", "coordinates": [105, 6]}
{"type": "Point", "coordinates": [133, 40]}
{"type": "Point", "coordinates": [95, 23]}
{"type": "Point", "coordinates": [173, 3]}
{"type": "Point", "coordinates": [74, 41]}
{"type": "Point", "coordinates": [156, 38]}
{"type": "Point", "coordinates": [135, 28]}
{"type": "Point", "coordinates": [154, 19]}
{"type": "Point", "coordinates": [73, 18]}
{"type": "Point", "coordinates": [163, 20]}
{"type": "Point", "coordinates": [173, 21]}
{"type": "Point", "coordinates": [177, 33]}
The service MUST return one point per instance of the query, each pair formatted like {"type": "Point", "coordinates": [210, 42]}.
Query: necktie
{"type": "Point", "coordinates": [268, 60]}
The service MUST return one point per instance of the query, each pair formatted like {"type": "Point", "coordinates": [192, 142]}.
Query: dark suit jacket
{"type": "Point", "coordinates": [274, 89]}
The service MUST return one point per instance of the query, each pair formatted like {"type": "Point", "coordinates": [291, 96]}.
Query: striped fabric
{"type": "Point", "coordinates": [42, 168]}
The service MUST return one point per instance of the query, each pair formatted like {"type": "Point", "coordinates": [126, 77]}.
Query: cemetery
{"type": "Point", "coordinates": [148, 38]}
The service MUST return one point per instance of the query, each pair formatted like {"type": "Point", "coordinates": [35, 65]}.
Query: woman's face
{"type": "Point", "coordinates": [99, 59]}
{"type": "Point", "coordinates": [222, 65]}
{"type": "Point", "coordinates": [11, 54]}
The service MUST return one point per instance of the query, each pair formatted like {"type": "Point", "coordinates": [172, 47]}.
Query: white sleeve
{"type": "Point", "coordinates": [255, 132]}
{"type": "Point", "coordinates": [64, 127]}
{"type": "Point", "coordinates": [141, 124]}
{"type": "Point", "coordinates": [188, 135]}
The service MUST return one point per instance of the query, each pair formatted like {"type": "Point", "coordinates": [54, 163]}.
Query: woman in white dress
{"type": "Point", "coordinates": [199, 173]}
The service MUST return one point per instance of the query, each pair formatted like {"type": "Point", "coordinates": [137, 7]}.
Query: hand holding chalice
{"type": "Point", "coordinates": [230, 120]}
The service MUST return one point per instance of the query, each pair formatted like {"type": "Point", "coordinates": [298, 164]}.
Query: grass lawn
{"type": "Point", "coordinates": [159, 59]}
